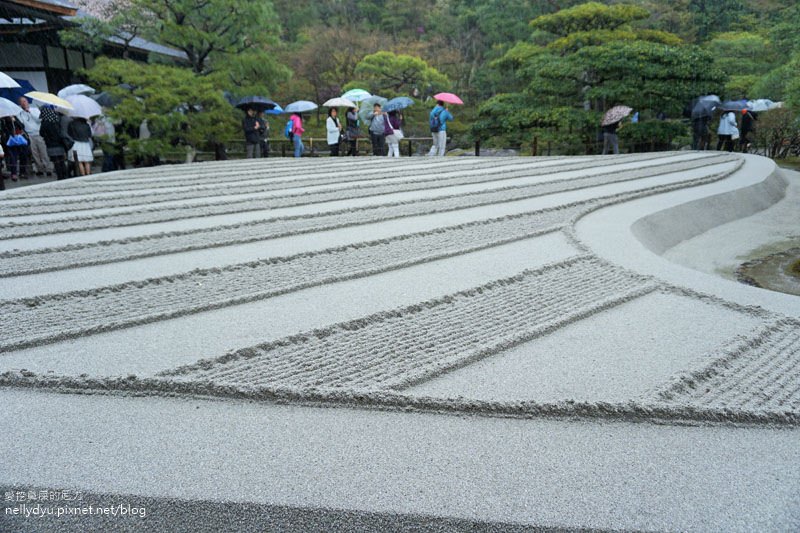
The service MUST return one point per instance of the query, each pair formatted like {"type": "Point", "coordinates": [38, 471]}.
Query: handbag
{"type": "Point", "coordinates": [387, 126]}
{"type": "Point", "coordinates": [17, 140]}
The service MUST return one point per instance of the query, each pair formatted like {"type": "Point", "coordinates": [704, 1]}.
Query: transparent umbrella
{"type": "Point", "coordinates": [356, 95]}
{"type": "Point", "coordinates": [365, 110]}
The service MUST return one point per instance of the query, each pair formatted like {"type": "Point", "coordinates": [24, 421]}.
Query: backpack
{"type": "Point", "coordinates": [287, 131]}
{"type": "Point", "coordinates": [436, 123]}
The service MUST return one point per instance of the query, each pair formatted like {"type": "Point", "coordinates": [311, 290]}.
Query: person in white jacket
{"type": "Point", "coordinates": [334, 128]}
{"type": "Point", "coordinates": [727, 131]}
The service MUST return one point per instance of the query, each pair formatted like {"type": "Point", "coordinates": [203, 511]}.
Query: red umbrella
{"type": "Point", "coordinates": [450, 98]}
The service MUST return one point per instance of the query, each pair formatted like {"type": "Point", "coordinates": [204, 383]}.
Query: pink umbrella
{"type": "Point", "coordinates": [450, 98]}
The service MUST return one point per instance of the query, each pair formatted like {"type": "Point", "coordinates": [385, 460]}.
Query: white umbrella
{"type": "Point", "coordinates": [83, 106]}
{"type": "Point", "coordinates": [339, 102]}
{"type": "Point", "coordinates": [7, 82]}
{"type": "Point", "coordinates": [78, 88]}
{"type": "Point", "coordinates": [762, 104]}
{"type": "Point", "coordinates": [9, 108]}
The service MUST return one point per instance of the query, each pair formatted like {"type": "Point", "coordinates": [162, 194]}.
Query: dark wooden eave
{"type": "Point", "coordinates": [47, 6]}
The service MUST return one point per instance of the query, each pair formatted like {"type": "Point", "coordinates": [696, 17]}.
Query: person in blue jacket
{"type": "Point", "coordinates": [438, 122]}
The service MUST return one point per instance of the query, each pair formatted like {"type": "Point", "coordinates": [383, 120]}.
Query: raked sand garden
{"type": "Point", "coordinates": [357, 344]}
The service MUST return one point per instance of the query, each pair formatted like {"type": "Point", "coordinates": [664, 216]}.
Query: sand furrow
{"type": "Point", "coordinates": [243, 171]}
{"type": "Point", "coordinates": [176, 212]}
{"type": "Point", "coordinates": [35, 321]}
{"type": "Point", "coordinates": [759, 373]}
{"type": "Point", "coordinates": [376, 177]}
{"type": "Point", "coordinates": [398, 348]}
{"type": "Point", "coordinates": [16, 263]}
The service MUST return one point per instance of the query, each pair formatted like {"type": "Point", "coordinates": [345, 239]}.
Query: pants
{"type": "Point", "coordinates": [378, 143]}
{"type": "Point", "coordinates": [298, 146]}
{"type": "Point", "coordinates": [725, 141]}
{"type": "Point", "coordinates": [439, 143]}
{"type": "Point", "coordinates": [23, 160]}
{"type": "Point", "coordinates": [60, 166]}
{"type": "Point", "coordinates": [353, 150]}
{"type": "Point", "coordinates": [744, 142]}
{"type": "Point", "coordinates": [109, 164]}
{"type": "Point", "coordinates": [264, 148]}
{"type": "Point", "coordinates": [334, 149]}
{"type": "Point", "coordinates": [39, 153]}
{"type": "Point", "coordinates": [610, 142]}
{"type": "Point", "coordinates": [700, 141]}
{"type": "Point", "coordinates": [252, 150]}
{"type": "Point", "coordinates": [13, 159]}
{"type": "Point", "coordinates": [394, 149]}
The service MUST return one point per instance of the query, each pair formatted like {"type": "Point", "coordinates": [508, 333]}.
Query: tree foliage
{"type": "Point", "coordinates": [211, 32]}
{"type": "Point", "coordinates": [390, 74]}
{"type": "Point", "coordinates": [589, 17]}
{"type": "Point", "coordinates": [566, 89]}
{"type": "Point", "coordinates": [182, 109]}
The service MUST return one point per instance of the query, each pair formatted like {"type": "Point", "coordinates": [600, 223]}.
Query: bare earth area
{"type": "Point", "coordinates": [459, 344]}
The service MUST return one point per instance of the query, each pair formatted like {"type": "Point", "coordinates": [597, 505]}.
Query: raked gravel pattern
{"type": "Point", "coordinates": [24, 262]}
{"type": "Point", "coordinates": [35, 321]}
{"type": "Point", "coordinates": [376, 185]}
{"type": "Point", "coordinates": [149, 215]}
{"type": "Point", "coordinates": [757, 373]}
{"type": "Point", "coordinates": [402, 347]}
{"type": "Point", "coordinates": [369, 361]}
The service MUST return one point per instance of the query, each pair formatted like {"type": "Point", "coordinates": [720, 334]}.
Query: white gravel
{"type": "Point", "coordinates": [483, 344]}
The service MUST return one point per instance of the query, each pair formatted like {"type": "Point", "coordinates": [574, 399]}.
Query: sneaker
{"type": "Point", "coordinates": [13, 177]}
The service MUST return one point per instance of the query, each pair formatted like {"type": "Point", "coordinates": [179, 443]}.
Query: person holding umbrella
{"type": "Point", "coordinates": [394, 132]}
{"type": "Point", "coordinates": [377, 129]}
{"type": "Point", "coordinates": [334, 129]}
{"type": "Point", "coordinates": [251, 127]}
{"type": "Point", "coordinates": [727, 131]}
{"type": "Point", "coordinates": [611, 123]}
{"type": "Point", "coordinates": [352, 133]}
{"type": "Point", "coordinates": [438, 122]}
{"type": "Point", "coordinates": [14, 142]}
{"type": "Point", "coordinates": [748, 126]}
{"type": "Point", "coordinates": [80, 132]}
{"type": "Point", "coordinates": [297, 134]}
{"type": "Point", "coordinates": [54, 140]}
{"type": "Point", "coordinates": [29, 117]}
{"type": "Point", "coordinates": [263, 133]}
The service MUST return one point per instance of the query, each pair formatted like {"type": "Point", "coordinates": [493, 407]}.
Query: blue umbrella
{"type": "Point", "coordinates": [277, 110]}
{"type": "Point", "coordinates": [15, 93]}
{"type": "Point", "coordinates": [396, 104]}
{"type": "Point", "coordinates": [301, 106]}
{"type": "Point", "coordinates": [259, 103]}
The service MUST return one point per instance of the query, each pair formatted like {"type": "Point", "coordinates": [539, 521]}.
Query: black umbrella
{"type": "Point", "coordinates": [259, 103]}
{"type": "Point", "coordinates": [105, 99]}
{"type": "Point", "coordinates": [704, 106]}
